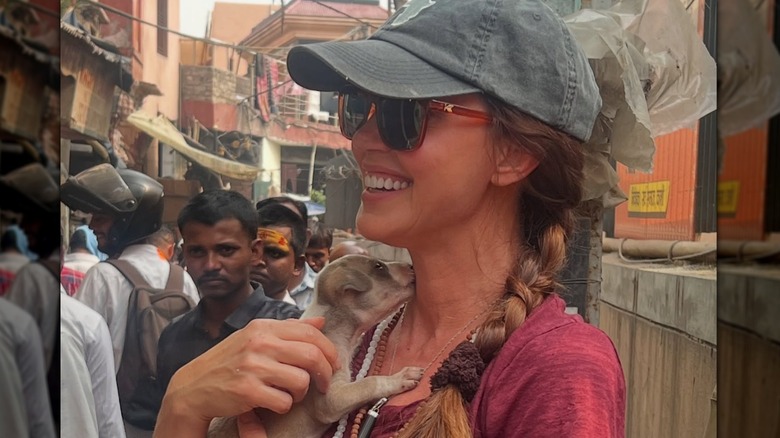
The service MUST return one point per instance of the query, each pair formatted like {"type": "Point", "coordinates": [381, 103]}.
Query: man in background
{"type": "Point", "coordinates": [165, 241]}
{"type": "Point", "coordinates": [13, 244]}
{"type": "Point", "coordinates": [283, 236]}
{"type": "Point", "coordinates": [220, 241]}
{"type": "Point", "coordinates": [318, 249]}
{"type": "Point", "coordinates": [301, 285]}
{"type": "Point", "coordinates": [79, 259]}
{"type": "Point", "coordinates": [126, 208]}
{"type": "Point", "coordinates": [31, 190]}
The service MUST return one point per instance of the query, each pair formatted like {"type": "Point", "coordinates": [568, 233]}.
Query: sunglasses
{"type": "Point", "coordinates": [401, 122]}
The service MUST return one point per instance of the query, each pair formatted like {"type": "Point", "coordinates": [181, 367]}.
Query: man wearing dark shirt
{"type": "Point", "coordinates": [219, 229]}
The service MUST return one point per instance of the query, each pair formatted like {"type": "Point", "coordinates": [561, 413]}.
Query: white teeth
{"type": "Point", "coordinates": [384, 183]}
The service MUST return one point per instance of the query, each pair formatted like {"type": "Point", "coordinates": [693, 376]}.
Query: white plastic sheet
{"type": "Point", "coordinates": [655, 77]}
{"type": "Point", "coordinates": [748, 69]}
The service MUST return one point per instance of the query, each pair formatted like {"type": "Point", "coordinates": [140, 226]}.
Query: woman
{"type": "Point", "coordinates": [467, 119]}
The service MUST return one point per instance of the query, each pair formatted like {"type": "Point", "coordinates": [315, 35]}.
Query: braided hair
{"type": "Point", "coordinates": [547, 199]}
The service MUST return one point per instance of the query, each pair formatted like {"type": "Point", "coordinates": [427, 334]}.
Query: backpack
{"type": "Point", "coordinates": [150, 310]}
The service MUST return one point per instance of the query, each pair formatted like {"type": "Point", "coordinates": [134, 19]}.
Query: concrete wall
{"type": "Point", "coordinates": [748, 351]}
{"type": "Point", "coordinates": [208, 84]}
{"type": "Point", "coordinates": [161, 69]}
{"type": "Point", "coordinates": [661, 319]}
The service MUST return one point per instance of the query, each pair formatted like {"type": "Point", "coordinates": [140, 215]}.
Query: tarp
{"type": "Point", "coordinates": [748, 68]}
{"type": "Point", "coordinates": [160, 128]}
{"type": "Point", "coordinates": [655, 76]}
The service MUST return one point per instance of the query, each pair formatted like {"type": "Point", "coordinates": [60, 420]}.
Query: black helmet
{"type": "Point", "coordinates": [30, 189]}
{"type": "Point", "coordinates": [134, 199]}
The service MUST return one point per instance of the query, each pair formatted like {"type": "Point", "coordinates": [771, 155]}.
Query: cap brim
{"type": "Point", "coordinates": [375, 66]}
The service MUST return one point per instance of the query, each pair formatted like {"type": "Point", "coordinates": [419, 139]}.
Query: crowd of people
{"type": "Point", "coordinates": [471, 159]}
{"type": "Point", "coordinates": [240, 262]}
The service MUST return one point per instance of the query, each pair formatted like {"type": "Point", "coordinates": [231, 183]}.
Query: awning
{"type": "Point", "coordinates": [160, 128]}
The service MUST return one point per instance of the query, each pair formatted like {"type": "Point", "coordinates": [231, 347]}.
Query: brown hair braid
{"type": "Point", "coordinates": [546, 207]}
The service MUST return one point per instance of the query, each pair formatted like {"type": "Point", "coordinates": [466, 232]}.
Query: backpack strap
{"type": "Point", "coordinates": [175, 278]}
{"type": "Point", "coordinates": [130, 272]}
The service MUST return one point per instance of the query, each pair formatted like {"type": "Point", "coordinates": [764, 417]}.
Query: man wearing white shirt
{"type": "Point", "coordinates": [24, 405]}
{"type": "Point", "coordinates": [90, 401]}
{"type": "Point", "coordinates": [126, 208]}
{"type": "Point", "coordinates": [32, 191]}
{"type": "Point", "coordinates": [79, 258]}
{"type": "Point", "coordinates": [12, 256]}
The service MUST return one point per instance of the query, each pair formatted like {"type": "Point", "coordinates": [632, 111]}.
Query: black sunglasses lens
{"type": "Point", "coordinates": [400, 123]}
{"type": "Point", "coordinates": [353, 113]}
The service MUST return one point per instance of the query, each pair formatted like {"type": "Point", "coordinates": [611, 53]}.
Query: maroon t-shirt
{"type": "Point", "coordinates": [556, 376]}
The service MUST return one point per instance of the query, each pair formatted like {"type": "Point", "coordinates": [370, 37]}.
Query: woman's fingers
{"type": "Point", "coordinates": [270, 398]}
{"type": "Point", "coordinates": [305, 357]}
{"type": "Point", "coordinates": [305, 330]}
{"type": "Point", "coordinates": [249, 426]}
{"type": "Point", "coordinates": [326, 345]}
{"type": "Point", "coordinates": [280, 375]}
{"type": "Point", "coordinates": [267, 364]}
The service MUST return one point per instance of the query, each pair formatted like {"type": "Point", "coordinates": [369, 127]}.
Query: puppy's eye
{"type": "Point", "coordinates": [379, 266]}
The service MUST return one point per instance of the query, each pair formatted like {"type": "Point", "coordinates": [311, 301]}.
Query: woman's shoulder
{"type": "Point", "coordinates": [551, 334]}
{"type": "Point", "coordinates": [555, 376]}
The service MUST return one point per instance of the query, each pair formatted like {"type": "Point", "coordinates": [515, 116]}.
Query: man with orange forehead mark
{"type": "Point", "coordinates": [283, 235]}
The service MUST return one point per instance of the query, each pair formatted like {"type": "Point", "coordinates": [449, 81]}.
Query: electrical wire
{"type": "Point", "coordinates": [359, 20]}
{"type": "Point", "coordinates": [250, 50]}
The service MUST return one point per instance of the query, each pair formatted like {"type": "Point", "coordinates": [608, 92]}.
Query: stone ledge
{"type": "Point", "coordinates": [680, 297]}
{"type": "Point", "coordinates": [749, 297]}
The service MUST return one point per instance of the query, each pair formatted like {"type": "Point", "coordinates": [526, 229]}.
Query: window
{"type": "Point", "coordinates": [162, 21]}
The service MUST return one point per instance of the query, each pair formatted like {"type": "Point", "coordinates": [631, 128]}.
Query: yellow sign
{"type": "Point", "coordinates": [728, 195]}
{"type": "Point", "coordinates": [648, 199]}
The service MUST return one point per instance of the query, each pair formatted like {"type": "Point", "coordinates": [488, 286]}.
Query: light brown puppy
{"type": "Point", "coordinates": [354, 293]}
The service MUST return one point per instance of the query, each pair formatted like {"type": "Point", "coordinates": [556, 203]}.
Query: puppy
{"type": "Point", "coordinates": [353, 293]}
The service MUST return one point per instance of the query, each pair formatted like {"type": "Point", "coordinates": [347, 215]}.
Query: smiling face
{"type": "Point", "coordinates": [218, 257]}
{"type": "Point", "coordinates": [412, 196]}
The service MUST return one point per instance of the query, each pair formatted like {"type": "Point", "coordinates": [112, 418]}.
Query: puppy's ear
{"type": "Point", "coordinates": [357, 281]}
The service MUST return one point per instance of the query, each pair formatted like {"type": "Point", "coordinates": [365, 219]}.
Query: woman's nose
{"type": "Point", "coordinates": [367, 138]}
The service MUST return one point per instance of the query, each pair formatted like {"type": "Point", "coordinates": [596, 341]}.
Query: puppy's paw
{"type": "Point", "coordinates": [410, 376]}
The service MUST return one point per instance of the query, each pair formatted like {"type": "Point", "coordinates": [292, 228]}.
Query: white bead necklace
{"type": "Point", "coordinates": [367, 360]}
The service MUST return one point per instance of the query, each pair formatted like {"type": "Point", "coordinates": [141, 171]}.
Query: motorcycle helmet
{"type": "Point", "coordinates": [29, 189]}
{"type": "Point", "coordinates": [133, 199]}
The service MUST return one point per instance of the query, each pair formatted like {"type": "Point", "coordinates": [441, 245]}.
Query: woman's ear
{"type": "Point", "coordinates": [512, 165]}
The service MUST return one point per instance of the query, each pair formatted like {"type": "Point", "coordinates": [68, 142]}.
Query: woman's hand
{"type": "Point", "coordinates": [249, 426]}
{"type": "Point", "coordinates": [267, 364]}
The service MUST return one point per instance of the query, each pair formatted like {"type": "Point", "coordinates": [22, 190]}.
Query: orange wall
{"type": "Point", "coordinates": [742, 186]}
{"type": "Point", "coordinates": [675, 164]}
{"type": "Point", "coordinates": [742, 181]}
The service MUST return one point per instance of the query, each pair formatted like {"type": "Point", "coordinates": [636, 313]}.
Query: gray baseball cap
{"type": "Point", "coordinates": [518, 51]}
